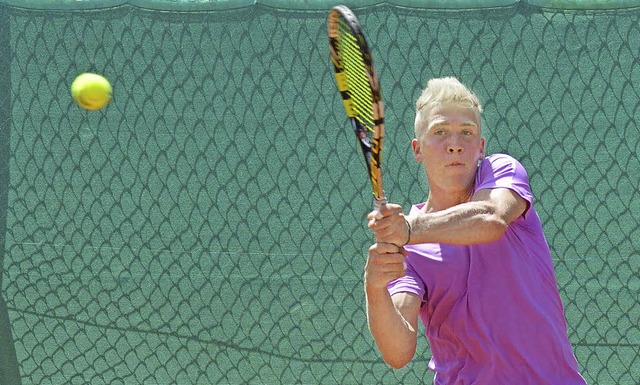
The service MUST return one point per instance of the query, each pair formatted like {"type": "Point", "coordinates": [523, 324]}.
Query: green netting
{"type": "Point", "coordinates": [209, 225]}
{"type": "Point", "coordinates": [202, 5]}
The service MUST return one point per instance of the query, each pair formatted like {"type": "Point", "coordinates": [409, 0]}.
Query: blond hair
{"type": "Point", "coordinates": [439, 91]}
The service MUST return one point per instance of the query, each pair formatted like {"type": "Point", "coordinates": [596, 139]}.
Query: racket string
{"type": "Point", "coordinates": [357, 77]}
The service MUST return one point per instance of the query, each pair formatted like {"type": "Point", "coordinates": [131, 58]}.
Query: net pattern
{"type": "Point", "coordinates": [209, 225]}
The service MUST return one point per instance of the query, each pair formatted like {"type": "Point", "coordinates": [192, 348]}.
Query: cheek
{"type": "Point", "coordinates": [433, 147]}
{"type": "Point", "coordinates": [431, 154]}
{"type": "Point", "coordinates": [481, 151]}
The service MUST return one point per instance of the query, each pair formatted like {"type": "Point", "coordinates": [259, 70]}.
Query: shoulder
{"type": "Point", "coordinates": [503, 171]}
{"type": "Point", "coordinates": [498, 166]}
{"type": "Point", "coordinates": [501, 160]}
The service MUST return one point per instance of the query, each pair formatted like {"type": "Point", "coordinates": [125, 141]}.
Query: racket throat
{"type": "Point", "coordinates": [362, 134]}
{"type": "Point", "coordinates": [364, 140]}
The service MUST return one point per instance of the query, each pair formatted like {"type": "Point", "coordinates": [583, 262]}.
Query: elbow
{"type": "Point", "coordinates": [491, 223]}
{"type": "Point", "coordinates": [495, 227]}
{"type": "Point", "coordinates": [396, 364]}
{"type": "Point", "coordinates": [398, 361]}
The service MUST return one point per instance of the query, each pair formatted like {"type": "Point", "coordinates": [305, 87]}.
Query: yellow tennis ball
{"type": "Point", "coordinates": [91, 91]}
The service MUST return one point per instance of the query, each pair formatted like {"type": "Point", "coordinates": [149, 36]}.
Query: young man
{"type": "Point", "coordinates": [475, 266]}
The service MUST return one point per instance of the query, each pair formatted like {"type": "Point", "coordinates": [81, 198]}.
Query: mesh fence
{"type": "Point", "coordinates": [209, 225]}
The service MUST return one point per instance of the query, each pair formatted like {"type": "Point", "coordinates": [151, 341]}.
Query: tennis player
{"type": "Point", "coordinates": [475, 266]}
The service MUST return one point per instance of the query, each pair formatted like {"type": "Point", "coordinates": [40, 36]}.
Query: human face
{"type": "Point", "coordinates": [450, 147]}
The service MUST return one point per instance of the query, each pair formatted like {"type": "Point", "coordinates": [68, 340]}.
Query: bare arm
{"type": "Point", "coordinates": [484, 219]}
{"type": "Point", "coordinates": [393, 321]}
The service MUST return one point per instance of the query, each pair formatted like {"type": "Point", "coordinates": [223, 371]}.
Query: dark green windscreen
{"type": "Point", "coordinates": [209, 225]}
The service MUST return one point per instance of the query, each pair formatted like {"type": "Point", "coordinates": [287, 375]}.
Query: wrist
{"type": "Point", "coordinates": [406, 221]}
{"type": "Point", "coordinates": [376, 294]}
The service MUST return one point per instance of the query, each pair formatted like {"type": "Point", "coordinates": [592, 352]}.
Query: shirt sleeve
{"type": "Point", "coordinates": [410, 283]}
{"type": "Point", "coordinates": [504, 171]}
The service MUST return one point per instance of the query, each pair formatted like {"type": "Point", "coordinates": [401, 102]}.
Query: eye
{"type": "Point", "coordinates": [467, 132]}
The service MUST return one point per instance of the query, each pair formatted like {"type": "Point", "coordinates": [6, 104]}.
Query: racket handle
{"type": "Point", "coordinates": [377, 205]}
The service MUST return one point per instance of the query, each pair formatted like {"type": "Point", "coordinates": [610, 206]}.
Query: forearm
{"type": "Point", "coordinates": [463, 224]}
{"type": "Point", "coordinates": [395, 337]}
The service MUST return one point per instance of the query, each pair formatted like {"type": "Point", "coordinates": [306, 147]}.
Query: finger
{"type": "Point", "coordinates": [388, 233]}
{"type": "Point", "coordinates": [373, 216]}
{"type": "Point", "coordinates": [384, 211]}
{"type": "Point", "coordinates": [386, 248]}
{"type": "Point", "coordinates": [379, 224]}
{"type": "Point", "coordinates": [385, 263]}
{"type": "Point", "coordinates": [386, 266]}
{"type": "Point", "coordinates": [378, 271]}
{"type": "Point", "coordinates": [390, 209]}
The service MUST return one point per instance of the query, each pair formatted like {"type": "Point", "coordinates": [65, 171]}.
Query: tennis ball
{"type": "Point", "coordinates": [91, 91]}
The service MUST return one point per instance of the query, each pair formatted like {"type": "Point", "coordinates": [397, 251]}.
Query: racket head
{"type": "Point", "coordinates": [360, 90]}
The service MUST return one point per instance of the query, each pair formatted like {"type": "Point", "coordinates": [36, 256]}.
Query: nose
{"type": "Point", "coordinates": [454, 147]}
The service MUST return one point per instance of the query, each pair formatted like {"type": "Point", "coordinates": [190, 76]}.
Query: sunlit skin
{"type": "Point", "coordinates": [450, 148]}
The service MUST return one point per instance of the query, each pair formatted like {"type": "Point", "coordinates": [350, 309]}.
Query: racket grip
{"type": "Point", "coordinates": [378, 203]}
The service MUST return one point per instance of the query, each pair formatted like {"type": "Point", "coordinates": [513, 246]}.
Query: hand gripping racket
{"type": "Point", "coordinates": [358, 84]}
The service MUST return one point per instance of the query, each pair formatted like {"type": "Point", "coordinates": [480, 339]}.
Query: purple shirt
{"type": "Point", "coordinates": [492, 312]}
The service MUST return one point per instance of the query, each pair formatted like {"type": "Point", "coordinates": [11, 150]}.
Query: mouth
{"type": "Point", "coordinates": [455, 164]}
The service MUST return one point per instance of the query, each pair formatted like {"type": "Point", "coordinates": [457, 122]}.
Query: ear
{"type": "Point", "coordinates": [417, 154]}
{"type": "Point", "coordinates": [481, 155]}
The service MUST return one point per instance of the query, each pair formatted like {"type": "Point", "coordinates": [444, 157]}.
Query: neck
{"type": "Point", "coordinates": [444, 200]}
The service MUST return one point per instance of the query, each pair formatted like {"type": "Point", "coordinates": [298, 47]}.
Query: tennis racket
{"type": "Point", "coordinates": [358, 84]}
